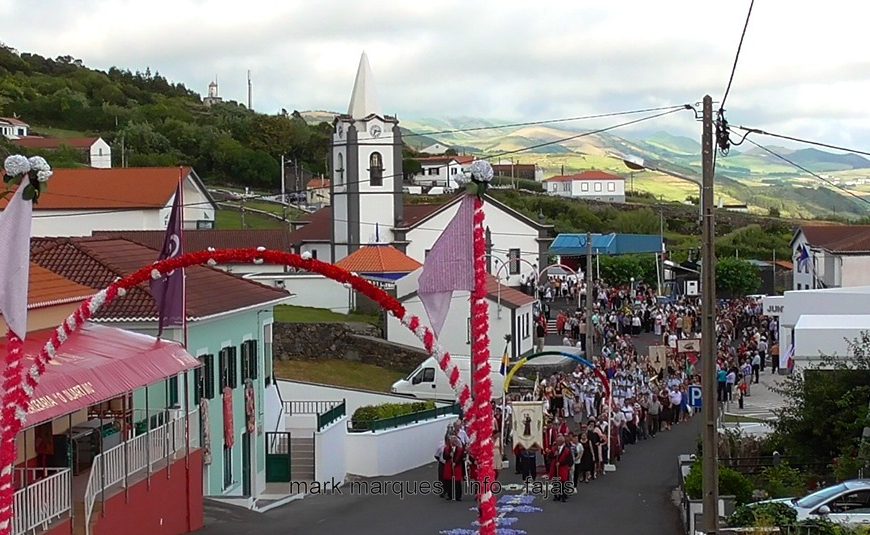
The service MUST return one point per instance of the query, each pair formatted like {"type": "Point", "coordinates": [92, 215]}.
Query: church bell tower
{"type": "Point", "coordinates": [366, 171]}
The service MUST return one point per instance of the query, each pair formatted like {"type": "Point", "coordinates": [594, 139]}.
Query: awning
{"type": "Point", "coordinates": [606, 244]}
{"type": "Point", "coordinates": [96, 364]}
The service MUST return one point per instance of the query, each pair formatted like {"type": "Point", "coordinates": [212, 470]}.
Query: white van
{"type": "Point", "coordinates": [428, 381]}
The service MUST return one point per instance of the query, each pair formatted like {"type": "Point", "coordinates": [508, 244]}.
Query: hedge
{"type": "Point", "coordinates": [369, 413]}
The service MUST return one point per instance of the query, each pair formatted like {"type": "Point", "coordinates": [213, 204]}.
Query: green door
{"type": "Point", "coordinates": [246, 465]}
{"type": "Point", "coordinates": [277, 457]}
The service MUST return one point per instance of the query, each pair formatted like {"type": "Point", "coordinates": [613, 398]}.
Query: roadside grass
{"type": "Point", "coordinates": [297, 314]}
{"type": "Point", "coordinates": [232, 220]}
{"type": "Point", "coordinates": [339, 373]}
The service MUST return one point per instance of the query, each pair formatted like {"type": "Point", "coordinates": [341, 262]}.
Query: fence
{"type": "Point", "coordinates": [41, 501]}
{"type": "Point", "coordinates": [406, 419]}
{"type": "Point", "coordinates": [117, 464]}
{"type": "Point", "coordinates": [331, 415]}
{"type": "Point", "coordinates": [755, 465]}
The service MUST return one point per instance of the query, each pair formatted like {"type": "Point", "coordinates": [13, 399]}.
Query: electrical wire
{"type": "Point", "coordinates": [736, 57]}
{"type": "Point", "coordinates": [723, 136]}
{"type": "Point", "coordinates": [761, 132]}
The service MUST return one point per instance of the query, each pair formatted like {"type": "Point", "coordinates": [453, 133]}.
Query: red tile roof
{"type": "Point", "coordinates": [378, 259]}
{"type": "Point", "coordinates": [317, 183]}
{"type": "Point", "coordinates": [37, 142]}
{"type": "Point", "coordinates": [98, 261]}
{"type": "Point", "coordinates": [13, 121]}
{"type": "Point", "coordinates": [102, 189]}
{"type": "Point", "coordinates": [201, 240]}
{"type": "Point", "coordinates": [444, 160]}
{"type": "Point", "coordinates": [47, 288]}
{"type": "Point", "coordinates": [510, 296]}
{"type": "Point", "coordinates": [838, 238]}
{"type": "Point", "coordinates": [585, 175]}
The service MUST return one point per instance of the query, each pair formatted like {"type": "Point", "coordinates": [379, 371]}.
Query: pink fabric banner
{"type": "Point", "coordinates": [15, 222]}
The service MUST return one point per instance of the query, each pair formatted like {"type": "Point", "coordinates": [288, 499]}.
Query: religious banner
{"type": "Point", "coordinates": [205, 426]}
{"type": "Point", "coordinates": [250, 408]}
{"type": "Point", "coordinates": [528, 424]}
{"type": "Point", "coordinates": [658, 357]}
{"type": "Point", "coordinates": [689, 345]}
{"type": "Point", "coordinates": [229, 434]}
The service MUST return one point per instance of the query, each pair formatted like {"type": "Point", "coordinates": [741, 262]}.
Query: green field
{"type": "Point", "coordinates": [296, 314]}
{"type": "Point", "coordinates": [226, 219]}
{"type": "Point", "coordinates": [48, 131]}
{"type": "Point", "coordinates": [339, 373]}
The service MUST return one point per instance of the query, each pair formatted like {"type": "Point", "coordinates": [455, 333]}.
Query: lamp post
{"type": "Point", "coordinates": [636, 163]}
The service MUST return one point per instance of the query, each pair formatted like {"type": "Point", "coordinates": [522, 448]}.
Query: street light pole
{"type": "Point", "coordinates": [708, 335]}
{"type": "Point", "coordinates": [590, 343]}
{"type": "Point", "coordinates": [283, 196]}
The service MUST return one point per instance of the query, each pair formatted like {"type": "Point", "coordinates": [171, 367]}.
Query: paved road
{"type": "Point", "coordinates": [634, 499]}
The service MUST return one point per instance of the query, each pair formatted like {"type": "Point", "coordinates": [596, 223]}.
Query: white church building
{"type": "Point", "coordinates": [368, 205]}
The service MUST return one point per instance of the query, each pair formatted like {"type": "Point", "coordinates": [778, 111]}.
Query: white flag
{"type": "Point", "coordinates": [15, 224]}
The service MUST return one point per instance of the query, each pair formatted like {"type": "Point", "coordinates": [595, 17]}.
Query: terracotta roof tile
{"type": "Point", "coordinates": [100, 189]}
{"type": "Point", "coordinates": [98, 261]}
{"type": "Point", "coordinates": [838, 238]}
{"type": "Point", "coordinates": [318, 228]}
{"type": "Point", "coordinates": [201, 240]}
{"type": "Point", "coordinates": [511, 296]}
{"type": "Point", "coordinates": [14, 121]}
{"type": "Point", "coordinates": [47, 288]}
{"type": "Point", "coordinates": [378, 259]}
{"type": "Point", "coordinates": [317, 183]}
{"type": "Point", "coordinates": [37, 142]}
{"type": "Point", "coordinates": [585, 175]}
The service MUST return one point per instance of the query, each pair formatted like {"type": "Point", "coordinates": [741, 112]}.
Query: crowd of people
{"type": "Point", "coordinates": [590, 424]}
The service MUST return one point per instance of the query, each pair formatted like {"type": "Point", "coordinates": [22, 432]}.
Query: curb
{"type": "Point", "coordinates": [279, 503]}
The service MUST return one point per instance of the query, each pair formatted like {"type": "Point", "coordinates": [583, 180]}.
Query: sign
{"type": "Point", "coordinates": [658, 357]}
{"type": "Point", "coordinates": [774, 310]}
{"type": "Point", "coordinates": [689, 345]}
{"type": "Point", "coordinates": [229, 432]}
{"type": "Point", "coordinates": [527, 424]}
{"type": "Point", "coordinates": [692, 288]}
{"type": "Point", "coordinates": [695, 396]}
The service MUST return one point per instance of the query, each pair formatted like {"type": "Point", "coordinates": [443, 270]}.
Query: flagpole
{"type": "Point", "coordinates": [183, 270]}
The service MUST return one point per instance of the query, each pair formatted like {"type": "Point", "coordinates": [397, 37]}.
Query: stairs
{"type": "Point", "coordinates": [302, 458]}
{"type": "Point", "coordinates": [79, 519]}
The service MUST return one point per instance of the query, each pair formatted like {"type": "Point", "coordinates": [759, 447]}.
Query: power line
{"type": "Point", "coordinates": [805, 170]}
{"type": "Point", "coordinates": [736, 57]}
{"type": "Point", "coordinates": [397, 175]}
{"type": "Point", "coordinates": [797, 139]}
{"type": "Point", "coordinates": [723, 136]}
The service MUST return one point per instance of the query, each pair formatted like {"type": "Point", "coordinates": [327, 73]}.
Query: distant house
{"type": "Point", "coordinates": [317, 192]}
{"type": "Point", "coordinates": [435, 148]}
{"type": "Point", "coordinates": [98, 152]}
{"type": "Point", "coordinates": [13, 128]}
{"type": "Point", "coordinates": [831, 256]}
{"type": "Point", "coordinates": [590, 185]}
{"type": "Point", "coordinates": [441, 171]}
{"type": "Point", "coordinates": [81, 201]}
{"type": "Point", "coordinates": [525, 171]}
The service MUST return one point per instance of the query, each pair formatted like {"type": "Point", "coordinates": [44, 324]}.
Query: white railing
{"type": "Point", "coordinates": [42, 501]}
{"type": "Point", "coordinates": [141, 453]}
{"type": "Point", "coordinates": [309, 406]}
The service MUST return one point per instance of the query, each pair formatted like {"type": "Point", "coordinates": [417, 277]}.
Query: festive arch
{"type": "Point", "coordinates": [19, 387]}
{"type": "Point", "coordinates": [577, 358]}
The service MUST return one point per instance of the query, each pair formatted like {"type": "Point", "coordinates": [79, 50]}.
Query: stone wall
{"type": "Point", "coordinates": [346, 341]}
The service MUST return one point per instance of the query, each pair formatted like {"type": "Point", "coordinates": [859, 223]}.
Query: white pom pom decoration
{"type": "Point", "coordinates": [155, 274]}
{"type": "Point", "coordinates": [306, 255]}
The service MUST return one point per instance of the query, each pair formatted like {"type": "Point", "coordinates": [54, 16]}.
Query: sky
{"type": "Point", "coordinates": [803, 70]}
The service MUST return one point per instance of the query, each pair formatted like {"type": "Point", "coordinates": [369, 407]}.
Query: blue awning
{"type": "Point", "coordinates": [606, 244]}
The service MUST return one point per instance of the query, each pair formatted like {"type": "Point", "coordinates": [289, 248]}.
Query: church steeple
{"type": "Point", "coordinates": [363, 101]}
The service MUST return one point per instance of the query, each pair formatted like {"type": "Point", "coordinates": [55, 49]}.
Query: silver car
{"type": "Point", "coordinates": [846, 503]}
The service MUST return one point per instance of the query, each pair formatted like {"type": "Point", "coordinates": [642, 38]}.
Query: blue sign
{"type": "Point", "coordinates": [695, 396]}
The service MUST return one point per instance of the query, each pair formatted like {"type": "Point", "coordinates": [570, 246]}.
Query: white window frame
{"type": "Point", "coordinates": [611, 186]}
{"type": "Point", "coordinates": [584, 186]}
{"type": "Point", "coordinates": [597, 187]}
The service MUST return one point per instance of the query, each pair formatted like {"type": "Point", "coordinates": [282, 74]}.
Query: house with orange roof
{"type": "Point", "coordinates": [81, 201]}
{"type": "Point", "coordinates": [13, 128]}
{"type": "Point", "coordinates": [317, 192]}
{"type": "Point", "coordinates": [379, 261]}
{"type": "Point", "coordinates": [441, 171]}
{"type": "Point", "coordinates": [97, 152]}
{"type": "Point", "coordinates": [589, 185]}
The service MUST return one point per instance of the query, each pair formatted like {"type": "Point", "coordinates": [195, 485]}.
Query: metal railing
{"type": "Point", "coordinates": [333, 414]}
{"type": "Point", "coordinates": [42, 501]}
{"type": "Point", "coordinates": [309, 407]}
{"type": "Point", "coordinates": [406, 419]}
{"type": "Point", "coordinates": [117, 464]}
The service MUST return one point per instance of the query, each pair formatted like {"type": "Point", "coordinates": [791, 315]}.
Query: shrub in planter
{"type": "Point", "coordinates": [369, 413]}
{"type": "Point", "coordinates": [731, 483]}
{"type": "Point", "coordinates": [782, 481]}
{"type": "Point", "coordinates": [762, 515]}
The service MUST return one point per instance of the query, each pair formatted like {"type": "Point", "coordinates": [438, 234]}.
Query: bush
{"type": "Point", "coordinates": [731, 483]}
{"type": "Point", "coordinates": [782, 481]}
{"type": "Point", "coordinates": [369, 413]}
{"type": "Point", "coordinates": [762, 515]}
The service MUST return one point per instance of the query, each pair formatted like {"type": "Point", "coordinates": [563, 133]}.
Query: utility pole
{"type": "Point", "coordinates": [242, 210]}
{"type": "Point", "coordinates": [708, 335]}
{"type": "Point", "coordinates": [590, 344]}
{"type": "Point", "coordinates": [773, 280]}
{"type": "Point", "coordinates": [283, 195]}
{"type": "Point", "coordinates": [250, 107]}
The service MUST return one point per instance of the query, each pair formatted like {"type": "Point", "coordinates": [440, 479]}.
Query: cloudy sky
{"type": "Point", "coordinates": [804, 68]}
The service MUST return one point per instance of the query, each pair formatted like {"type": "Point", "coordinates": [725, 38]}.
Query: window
{"type": "Point", "coordinates": [228, 466]}
{"type": "Point", "coordinates": [426, 375]}
{"type": "Point", "coordinates": [584, 186]}
{"type": "Point", "coordinates": [453, 171]}
{"type": "Point", "coordinates": [566, 186]}
{"type": "Point", "coordinates": [100, 151]}
{"type": "Point", "coordinates": [856, 503]}
{"type": "Point", "coordinates": [598, 186]}
{"type": "Point", "coordinates": [434, 170]}
{"type": "Point", "coordinates": [611, 186]}
{"type": "Point", "coordinates": [426, 254]}
{"type": "Point", "coordinates": [267, 352]}
{"type": "Point", "coordinates": [376, 170]}
{"type": "Point", "coordinates": [339, 171]}
{"type": "Point", "coordinates": [554, 186]}
{"type": "Point", "coordinates": [198, 386]}
{"type": "Point", "coordinates": [223, 369]}
{"type": "Point", "coordinates": [207, 376]}
{"type": "Point", "coordinates": [229, 369]}
{"type": "Point", "coordinates": [514, 261]}
{"type": "Point", "coordinates": [249, 360]}
{"type": "Point", "coordinates": [233, 367]}
{"type": "Point", "coordinates": [204, 225]}
{"type": "Point", "coordinates": [172, 390]}
{"type": "Point", "coordinates": [313, 253]}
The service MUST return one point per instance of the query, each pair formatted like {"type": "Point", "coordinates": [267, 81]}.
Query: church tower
{"type": "Point", "coordinates": [366, 171]}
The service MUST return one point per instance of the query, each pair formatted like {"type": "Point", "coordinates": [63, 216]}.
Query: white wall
{"type": "Point", "coordinates": [330, 447]}
{"type": "Point", "coordinates": [855, 270]}
{"type": "Point", "coordinates": [454, 335]}
{"type": "Point", "coordinates": [196, 207]}
{"type": "Point", "coordinates": [101, 154]}
{"type": "Point", "coordinates": [392, 451]}
{"type": "Point", "coordinates": [273, 413]}
{"type": "Point", "coordinates": [599, 189]}
{"type": "Point", "coordinates": [445, 175]}
{"type": "Point", "coordinates": [321, 251]}
{"type": "Point", "coordinates": [525, 325]}
{"type": "Point", "coordinates": [298, 391]}
{"type": "Point", "coordinates": [69, 223]}
{"type": "Point", "coordinates": [853, 300]}
{"type": "Point", "coordinates": [507, 233]}
{"type": "Point", "coordinates": [310, 290]}
{"type": "Point", "coordinates": [559, 188]}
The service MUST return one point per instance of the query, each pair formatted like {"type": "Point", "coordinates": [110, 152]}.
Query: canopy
{"type": "Point", "coordinates": [97, 364]}
{"type": "Point", "coordinates": [606, 244]}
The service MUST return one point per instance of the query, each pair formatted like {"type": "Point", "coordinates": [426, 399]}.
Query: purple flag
{"type": "Point", "coordinates": [168, 291]}
{"type": "Point", "coordinates": [449, 266]}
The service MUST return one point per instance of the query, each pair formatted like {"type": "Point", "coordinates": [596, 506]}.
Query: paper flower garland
{"type": "Point", "coordinates": [477, 177]}
{"type": "Point", "coordinates": [35, 170]}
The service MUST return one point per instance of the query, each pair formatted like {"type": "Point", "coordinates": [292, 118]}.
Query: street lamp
{"type": "Point", "coordinates": [636, 163]}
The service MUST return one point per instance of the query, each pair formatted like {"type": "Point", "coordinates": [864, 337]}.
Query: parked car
{"type": "Point", "coordinates": [846, 503]}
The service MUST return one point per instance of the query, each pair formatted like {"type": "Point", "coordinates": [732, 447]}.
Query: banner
{"type": "Point", "coordinates": [205, 426]}
{"type": "Point", "coordinates": [689, 345]}
{"type": "Point", "coordinates": [229, 434]}
{"type": "Point", "coordinates": [250, 408]}
{"type": "Point", "coordinates": [527, 425]}
{"type": "Point", "coordinates": [658, 357]}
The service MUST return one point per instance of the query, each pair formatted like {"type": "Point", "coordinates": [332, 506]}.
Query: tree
{"type": "Point", "coordinates": [736, 277]}
{"type": "Point", "coordinates": [411, 167]}
{"type": "Point", "coordinates": [825, 409]}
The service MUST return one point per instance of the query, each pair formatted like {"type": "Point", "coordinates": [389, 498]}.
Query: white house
{"type": "Point", "coordinates": [590, 185]}
{"type": "Point", "coordinates": [441, 171]}
{"type": "Point", "coordinates": [368, 204]}
{"type": "Point", "coordinates": [81, 201]}
{"type": "Point", "coordinates": [510, 312]}
{"type": "Point", "coordinates": [98, 152]}
{"type": "Point", "coordinates": [317, 192]}
{"type": "Point", "coordinates": [831, 256]}
{"type": "Point", "coordinates": [13, 128]}
{"type": "Point", "coordinates": [435, 148]}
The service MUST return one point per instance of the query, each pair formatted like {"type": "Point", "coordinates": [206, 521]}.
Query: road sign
{"type": "Point", "coordinates": [695, 396]}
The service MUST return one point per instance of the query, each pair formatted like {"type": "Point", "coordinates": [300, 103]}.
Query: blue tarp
{"type": "Point", "coordinates": [606, 244]}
